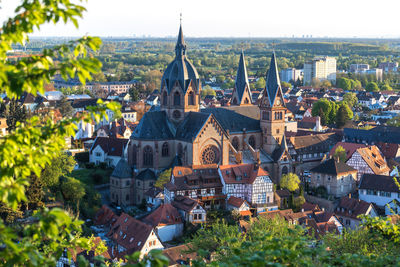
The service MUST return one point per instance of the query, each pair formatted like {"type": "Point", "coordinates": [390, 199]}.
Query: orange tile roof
{"type": "Point", "coordinates": [245, 213]}
{"type": "Point", "coordinates": [165, 214]}
{"type": "Point", "coordinates": [246, 172]}
{"type": "Point", "coordinates": [372, 156]}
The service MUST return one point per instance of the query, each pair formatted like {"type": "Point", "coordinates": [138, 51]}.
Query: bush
{"type": "Point", "coordinates": [82, 157]}
{"type": "Point", "coordinates": [90, 165]}
{"type": "Point", "coordinates": [97, 178]}
{"type": "Point", "coordinates": [103, 165]}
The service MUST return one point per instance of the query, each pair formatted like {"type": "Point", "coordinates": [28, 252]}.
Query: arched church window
{"type": "Point", "coordinates": [165, 150]}
{"type": "Point", "coordinates": [235, 142]}
{"type": "Point", "coordinates": [165, 98]}
{"type": "Point", "coordinates": [148, 156]}
{"type": "Point", "coordinates": [252, 141]}
{"type": "Point", "coordinates": [191, 98]}
{"type": "Point", "coordinates": [265, 115]}
{"type": "Point", "coordinates": [177, 99]}
{"type": "Point", "coordinates": [285, 170]}
{"type": "Point", "coordinates": [210, 155]}
{"type": "Point", "coordinates": [134, 154]}
{"type": "Point", "coordinates": [180, 150]}
{"type": "Point", "coordinates": [246, 101]}
{"type": "Point", "coordinates": [176, 114]}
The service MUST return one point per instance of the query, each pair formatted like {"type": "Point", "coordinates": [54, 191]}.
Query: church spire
{"type": "Point", "coordinates": [273, 84]}
{"type": "Point", "coordinates": [241, 78]}
{"type": "Point", "coordinates": [180, 48]}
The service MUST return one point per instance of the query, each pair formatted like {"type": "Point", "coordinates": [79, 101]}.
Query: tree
{"type": "Point", "coordinates": [62, 165]}
{"type": "Point", "coordinates": [260, 83]}
{"type": "Point", "coordinates": [220, 79]}
{"type": "Point", "coordinates": [372, 87]}
{"type": "Point", "coordinates": [290, 181]}
{"type": "Point", "coordinates": [73, 190]}
{"type": "Point", "coordinates": [325, 109]}
{"type": "Point", "coordinates": [326, 84]}
{"type": "Point", "coordinates": [340, 154]}
{"type": "Point", "coordinates": [343, 83]}
{"type": "Point", "coordinates": [286, 85]}
{"type": "Point", "coordinates": [315, 83]}
{"type": "Point", "coordinates": [207, 90]}
{"type": "Point", "coordinates": [355, 84]}
{"type": "Point", "coordinates": [386, 87]}
{"type": "Point", "coordinates": [34, 193]}
{"type": "Point", "coordinates": [163, 178]}
{"type": "Point", "coordinates": [15, 113]}
{"type": "Point", "coordinates": [343, 115]}
{"type": "Point", "coordinates": [99, 77]}
{"type": "Point", "coordinates": [350, 98]}
{"type": "Point", "coordinates": [134, 94]}
{"type": "Point", "coordinates": [65, 107]}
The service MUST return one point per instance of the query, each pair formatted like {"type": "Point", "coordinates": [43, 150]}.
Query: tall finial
{"type": "Point", "coordinates": [180, 18]}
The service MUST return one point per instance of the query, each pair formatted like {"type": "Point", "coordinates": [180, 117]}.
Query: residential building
{"type": "Point", "coordinates": [129, 114]}
{"type": "Point", "coordinates": [180, 255]}
{"type": "Point", "coordinates": [378, 73]}
{"type": "Point", "coordinates": [154, 198]}
{"type": "Point", "coordinates": [322, 68]}
{"type": "Point", "coordinates": [190, 209]}
{"type": "Point", "coordinates": [282, 197]}
{"type": "Point", "coordinates": [389, 66]}
{"type": "Point", "coordinates": [249, 182]}
{"type": "Point", "coordinates": [129, 235]}
{"type": "Point", "coordinates": [197, 182]}
{"type": "Point", "coordinates": [349, 209]}
{"type": "Point", "coordinates": [380, 190]}
{"type": "Point", "coordinates": [108, 150]}
{"type": "Point", "coordinates": [368, 160]}
{"type": "Point", "coordinates": [357, 68]}
{"type": "Point", "coordinates": [338, 178]}
{"type": "Point", "coordinates": [291, 75]}
{"type": "Point", "coordinates": [240, 205]}
{"type": "Point", "coordinates": [384, 134]}
{"type": "Point", "coordinates": [3, 127]}
{"type": "Point", "coordinates": [166, 221]}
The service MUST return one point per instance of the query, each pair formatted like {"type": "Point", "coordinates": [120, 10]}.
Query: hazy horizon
{"type": "Point", "coordinates": [230, 19]}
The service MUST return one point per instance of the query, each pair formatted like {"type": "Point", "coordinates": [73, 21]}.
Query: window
{"type": "Point", "coordinates": [165, 98]}
{"type": "Point", "coordinates": [265, 115]}
{"type": "Point", "coordinates": [252, 141]}
{"type": "Point", "coordinates": [148, 156]}
{"type": "Point", "coordinates": [199, 216]}
{"type": "Point", "coordinates": [127, 198]}
{"type": "Point", "coordinates": [235, 142]}
{"type": "Point", "coordinates": [98, 154]}
{"type": "Point", "coordinates": [191, 98]}
{"type": "Point", "coordinates": [134, 154]}
{"type": "Point", "coordinates": [180, 150]}
{"type": "Point", "coordinates": [177, 99]}
{"type": "Point", "coordinates": [138, 183]}
{"type": "Point", "coordinates": [347, 222]}
{"type": "Point", "coordinates": [195, 216]}
{"type": "Point", "coordinates": [277, 131]}
{"type": "Point", "coordinates": [165, 150]}
{"type": "Point", "coordinates": [127, 183]}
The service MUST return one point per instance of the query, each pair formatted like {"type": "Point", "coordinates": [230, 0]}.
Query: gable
{"type": "Point", "coordinates": [210, 127]}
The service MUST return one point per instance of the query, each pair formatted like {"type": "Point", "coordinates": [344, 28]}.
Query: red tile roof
{"type": "Point", "coordinates": [105, 216]}
{"type": "Point", "coordinates": [111, 146]}
{"type": "Point", "coordinates": [235, 201]}
{"type": "Point", "coordinates": [241, 173]}
{"type": "Point", "coordinates": [352, 207]}
{"type": "Point", "coordinates": [165, 214]}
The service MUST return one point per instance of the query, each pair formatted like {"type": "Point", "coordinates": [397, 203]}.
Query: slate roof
{"type": "Point", "coordinates": [154, 125]}
{"type": "Point", "coordinates": [146, 175]}
{"type": "Point", "coordinates": [379, 183]}
{"type": "Point", "coordinates": [165, 214]}
{"type": "Point", "coordinates": [83, 103]}
{"type": "Point", "coordinates": [111, 146]}
{"type": "Point", "coordinates": [185, 203]}
{"type": "Point", "coordinates": [191, 125]}
{"type": "Point", "coordinates": [241, 78]}
{"type": "Point", "coordinates": [283, 193]}
{"type": "Point", "coordinates": [273, 84]}
{"type": "Point", "coordinates": [236, 118]}
{"type": "Point", "coordinates": [386, 134]}
{"type": "Point", "coordinates": [179, 255]}
{"type": "Point", "coordinates": [331, 166]}
{"type": "Point", "coordinates": [352, 207]}
{"type": "Point", "coordinates": [180, 70]}
{"type": "Point", "coordinates": [129, 233]}
{"type": "Point", "coordinates": [122, 170]}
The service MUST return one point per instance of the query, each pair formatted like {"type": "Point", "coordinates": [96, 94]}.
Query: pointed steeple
{"type": "Point", "coordinates": [241, 78]}
{"type": "Point", "coordinates": [180, 48]}
{"type": "Point", "coordinates": [273, 84]}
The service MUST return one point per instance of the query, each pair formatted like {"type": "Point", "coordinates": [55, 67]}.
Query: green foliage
{"type": "Point", "coordinates": [372, 87]}
{"type": "Point", "coordinates": [350, 99]}
{"type": "Point", "coordinates": [62, 165]}
{"type": "Point", "coordinates": [395, 121]}
{"type": "Point", "coordinates": [343, 115]}
{"type": "Point", "coordinates": [325, 109]}
{"type": "Point", "coordinates": [134, 94]}
{"type": "Point", "coordinates": [340, 153]}
{"type": "Point", "coordinates": [286, 85]}
{"type": "Point", "coordinates": [260, 83]}
{"type": "Point", "coordinates": [326, 84]}
{"type": "Point", "coordinates": [14, 114]}
{"type": "Point", "coordinates": [72, 189]}
{"type": "Point", "coordinates": [207, 90]}
{"type": "Point", "coordinates": [386, 87]}
{"type": "Point", "coordinates": [290, 181]}
{"type": "Point", "coordinates": [163, 178]}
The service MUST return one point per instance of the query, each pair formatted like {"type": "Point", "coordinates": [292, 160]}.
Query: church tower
{"type": "Point", "coordinates": [272, 109]}
{"type": "Point", "coordinates": [180, 84]}
{"type": "Point", "coordinates": [241, 94]}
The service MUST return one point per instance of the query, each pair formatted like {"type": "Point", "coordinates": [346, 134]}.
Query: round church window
{"type": "Point", "coordinates": [210, 155]}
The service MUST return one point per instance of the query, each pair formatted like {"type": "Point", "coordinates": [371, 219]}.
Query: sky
{"type": "Point", "coordinates": [230, 18]}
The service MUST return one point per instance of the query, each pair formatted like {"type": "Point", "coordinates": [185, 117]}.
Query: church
{"type": "Point", "coordinates": [178, 132]}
